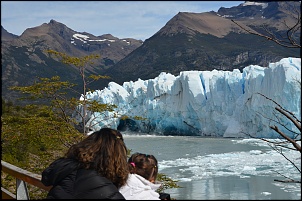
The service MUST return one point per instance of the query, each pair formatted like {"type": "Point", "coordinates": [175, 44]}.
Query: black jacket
{"type": "Point", "coordinates": [71, 182]}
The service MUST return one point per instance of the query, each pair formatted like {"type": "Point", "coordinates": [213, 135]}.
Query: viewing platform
{"type": "Point", "coordinates": [23, 179]}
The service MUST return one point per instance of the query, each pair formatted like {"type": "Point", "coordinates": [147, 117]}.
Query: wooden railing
{"type": "Point", "coordinates": [23, 178]}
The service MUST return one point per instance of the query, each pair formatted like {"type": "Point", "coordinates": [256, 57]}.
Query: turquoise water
{"type": "Point", "coordinates": [220, 168]}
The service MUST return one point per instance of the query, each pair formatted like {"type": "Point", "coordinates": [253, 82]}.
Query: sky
{"type": "Point", "coordinates": [122, 19]}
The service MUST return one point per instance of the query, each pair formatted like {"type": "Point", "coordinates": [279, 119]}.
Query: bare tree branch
{"type": "Point", "coordinates": [291, 44]}
{"type": "Point", "coordinates": [294, 143]}
{"type": "Point", "coordinates": [288, 41]}
{"type": "Point", "coordinates": [278, 144]}
{"type": "Point", "coordinates": [292, 114]}
{"type": "Point", "coordinates": [295, 121]}
{"type": "Point", "coordinates": [287, 181]}
{"type": "Point", "coordinates": [278, 122]}
{"type": "Point", "coordinates": [290, 181]}
{"type": "Point", "coordinates": [280, 152]}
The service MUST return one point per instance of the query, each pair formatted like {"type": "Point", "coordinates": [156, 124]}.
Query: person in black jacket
{"type": "Point", "coordinates": [94, 168]}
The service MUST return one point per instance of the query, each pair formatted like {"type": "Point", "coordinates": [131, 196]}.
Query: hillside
{"type": "Point", "coordinates": [210, 40]}
{"type": "Point", "coordinates": [24, 57]}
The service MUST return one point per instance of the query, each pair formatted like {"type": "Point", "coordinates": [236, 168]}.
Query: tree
{"type": "Point", "coordinates": [290, 39]}
{"type": "Point", "coordinates": [286, 142]}
{"type": "Point", "coordinates": [84, 106]}
{"type": "Point", "coordinates": [32, 136]}
{"type": "Point", "coordinates": [54, 90]}
{"type": "Point", "coordinates": [82, 63]}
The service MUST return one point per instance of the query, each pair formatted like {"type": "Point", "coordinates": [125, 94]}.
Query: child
{"type": "Point", "coordinates": [141, 180]}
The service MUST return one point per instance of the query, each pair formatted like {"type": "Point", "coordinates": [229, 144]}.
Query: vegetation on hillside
{"type": "Point", "coordinates": [36, 134]}
{"type": "Point", "coordinates": [32, 136]}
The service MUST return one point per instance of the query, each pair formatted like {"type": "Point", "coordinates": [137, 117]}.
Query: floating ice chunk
{"type": "Point", "coordinates": [265, 193]}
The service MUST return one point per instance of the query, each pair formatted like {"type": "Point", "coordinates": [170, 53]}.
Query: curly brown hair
{"type": "Point", "coordinates": [105, 152]}
{"type": "Point", "coordinates": [144, 165]}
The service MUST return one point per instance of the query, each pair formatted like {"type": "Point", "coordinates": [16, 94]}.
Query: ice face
{"type": "Point", "coordinates": [206, 103]}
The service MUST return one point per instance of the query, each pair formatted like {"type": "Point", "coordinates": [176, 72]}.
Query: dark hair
{"type": "Point", "coordinates": [144, 165]}
{"type": "Point", "coordinates": [105, 152]}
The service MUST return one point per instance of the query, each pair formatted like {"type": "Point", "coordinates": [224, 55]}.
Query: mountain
{"type": "Point", "coordinates": [188, 41]}
{"type": "Point", "coordinates": [6, 36]}
{"type": "Point", "coordinates": [24, 57]}
{"type": "Point", "coordinates": [210, 40]}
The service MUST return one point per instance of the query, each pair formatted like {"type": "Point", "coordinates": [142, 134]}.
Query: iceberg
{"type": "Point", "coordinates": [205, 103]}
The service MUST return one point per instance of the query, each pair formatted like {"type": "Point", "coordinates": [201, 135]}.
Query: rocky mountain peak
{"type": "Point", "coordinates": [6, 36]}
{"type": "Point", "coordinates": [253, 13]}
{"type": "Point", "coordinates": [53, 22]}
{"type": "Point", "coordinates": [60, 29]}
{"type": "Point", "coordinates": [108, 36]}
{"type": "Point", "coordinates": [52, 28]}
{"type": "Point", "coordinates": [192, 23]}
{"type": "Point", "coordinates": [259, 10]}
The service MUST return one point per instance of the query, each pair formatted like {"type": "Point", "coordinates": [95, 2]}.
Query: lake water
{"type": "Point", "coordinates": [220, 168]}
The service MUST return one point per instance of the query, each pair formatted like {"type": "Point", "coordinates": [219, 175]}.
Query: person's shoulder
{"type": "Point", "coordinates": [91, 185]}
{"type": "Point", "coordinates": [92, 176]}
{"type": "Point", "coordinates": [58, 170]}
{"type": "Point", "coordinates": [63, 163]}
{"type": "Point", "coordinates": [137, 176]}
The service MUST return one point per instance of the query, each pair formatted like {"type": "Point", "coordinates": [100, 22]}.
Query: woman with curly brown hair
{"type": "Point", "coordinates": [94, 168]}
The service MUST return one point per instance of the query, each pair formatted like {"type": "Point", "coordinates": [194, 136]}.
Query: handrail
{"type": "Point", "coordinates": [23, 177]}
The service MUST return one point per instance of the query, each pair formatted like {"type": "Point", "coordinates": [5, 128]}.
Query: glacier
{"type": "Point", "coordinates": [204, 103]}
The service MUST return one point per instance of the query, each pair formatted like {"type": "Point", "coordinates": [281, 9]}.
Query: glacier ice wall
{"type": "Point", "coordinates": [206, 103]}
